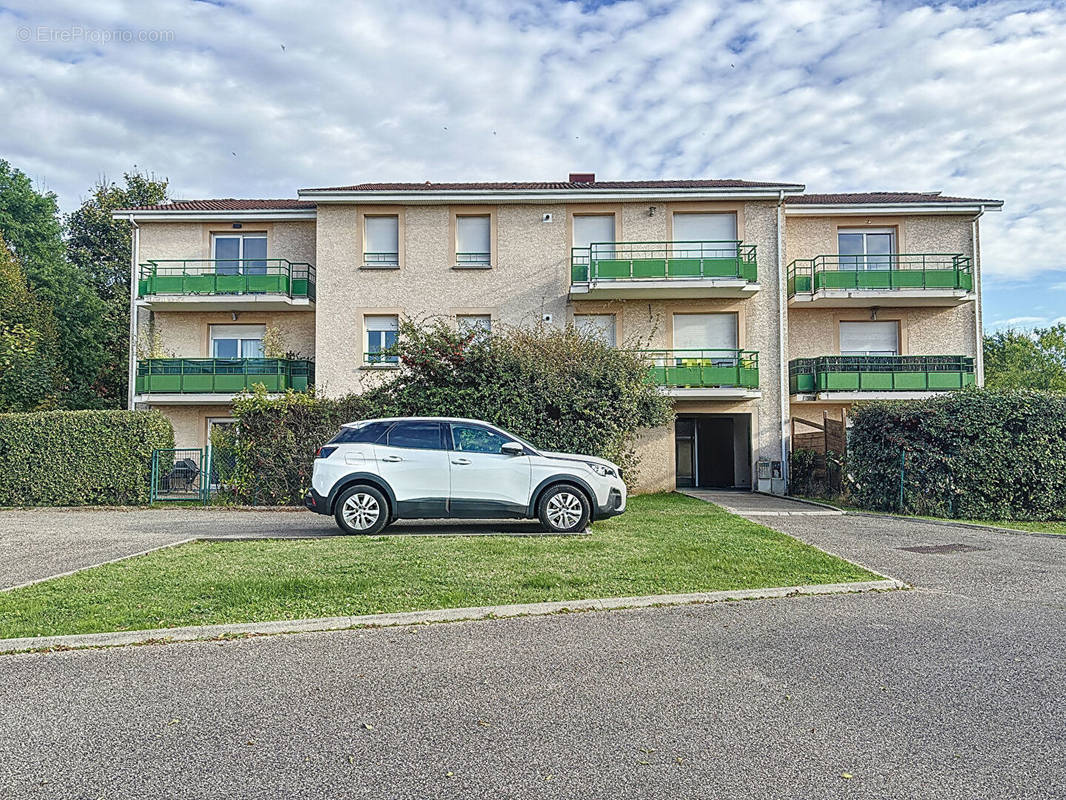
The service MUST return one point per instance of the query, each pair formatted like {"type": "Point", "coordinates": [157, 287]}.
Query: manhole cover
{"type": "Point", "coordinates": [939, 549]}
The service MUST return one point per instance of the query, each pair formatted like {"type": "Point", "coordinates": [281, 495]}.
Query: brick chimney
{"type": "Point", "coordinates": [582, 177]}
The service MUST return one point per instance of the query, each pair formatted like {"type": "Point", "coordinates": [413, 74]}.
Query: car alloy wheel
{"type": "Point", "coordinates": [361, 511]}
{"type": "Point", "coordinates": [564, 510]}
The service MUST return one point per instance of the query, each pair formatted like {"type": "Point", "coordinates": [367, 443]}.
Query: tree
{"type": "Point", "coordinates": [1027, 359]}
{"type": "Point", "coordinates": [99, 249]}
{"type": "Point", "coordinates": [30, 374]}
{"type": "Point", "coordinates": [29, 221]}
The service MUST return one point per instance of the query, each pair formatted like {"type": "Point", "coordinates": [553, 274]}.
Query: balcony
{"type": "Point", "coordinates": [190, 381]}
{"type": "Point", "coordinates": [899, 279]}
{"type": "Point", "coordinates": [211, 284]}
{"type": "Point", "coordinates": [707, 374]}
{"type": "Point", "coordinates": [870, 377]}
{"type": "Point", "coordinates": [613, 270]}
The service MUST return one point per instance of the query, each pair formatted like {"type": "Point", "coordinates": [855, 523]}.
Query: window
{"type": "Point", "coordinates": [237, 341]}
{"type": "Point", "coordinates": [245, 253]}
{"type": "Point", "coordinates": [479, 323]}
{"type": "Point", "coordinates": [381, 333]}
{"type": "Point", "coordinates": [710, 337]}
{"type": "Point", "coordinates": [595, 231]}
{"type": "Point", "coordinates": [381, 240]}
{"type": "Point", "coordinates": [705, 331]}
{"type": "Point", "coordinates": [867, 248]}
{"type": "Point", "coordinates": [869, 338]}
{"type": "Point", "coordinates": [220, 424]}
{"type": "Point", "coordinates": [597, 326]}
{"type": "Point", "coordinates": [473, 240]}
{"type": "Point", "coordinates": [361, 434]}
{"type": "Point", "coordinates": [476, 439]}
{"type": "Point", "coordinates": [705, 235]}
{"type": "Point", "coordinates": [419, 435]}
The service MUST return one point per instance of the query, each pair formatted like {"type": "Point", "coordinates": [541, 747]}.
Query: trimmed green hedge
{"type": "Point", "coordinates": [70, 458]}
{"type": "Point", "coordinates": [975, 454]}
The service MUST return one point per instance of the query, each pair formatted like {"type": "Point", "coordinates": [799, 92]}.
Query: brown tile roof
{"type": "Point", "coordinates": [428, 186]}
{"type": "Point", "coordinates": [226, 204]}
{"type": "Point", "coordinates": [877, 198]}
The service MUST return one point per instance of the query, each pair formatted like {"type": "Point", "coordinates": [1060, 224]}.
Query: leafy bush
{"type": "Point", "coordinates": [559, 389]}
{"type": "Point", "coordinates": [57, 458]}
{"type": "Point", "coordinates": [977, 454]}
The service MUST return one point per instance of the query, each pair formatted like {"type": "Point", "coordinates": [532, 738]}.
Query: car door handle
{"type": "Point", "coordinates": [392, 459]}
{"type": "Point", "coordinates": [460, 461]}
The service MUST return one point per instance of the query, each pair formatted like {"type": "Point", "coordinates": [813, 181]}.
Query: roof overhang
{"type": "Point", "coordinates": [256, 215]}
{"type": "Point", "coordinates": [888, 209]}
{"type": "Point", "coordinates": [534, 196]}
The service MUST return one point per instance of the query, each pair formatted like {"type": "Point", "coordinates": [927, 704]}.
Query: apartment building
{"type": "Point", "coordinates": [757, 306]}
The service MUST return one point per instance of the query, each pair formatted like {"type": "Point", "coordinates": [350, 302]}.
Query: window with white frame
{"type": "Point", "coordinates": [705, 235]}
{"type": "Point", "coordinates": [597, 326]}
{"type": "Point", "coordinates": [866, 248]}
{"type": "Point", "coordinates": [869, 338]}
{"type": "Point", "coordinates": [381, 240]}
{"type": "Point", "coordinates": [596, 232]}
{"type": "Point", "coordinates": [478, 323]}
{"type": "Point", "coordinates": [706, 336]}
{"type": "Point", "coordinates": [237, 341]}
{"type": "Point", "coordinates": [239, 253]}
{"type": "Point", "coordinates": [473, 240]}
{"type": "Point", "coordinates": [382, 331]}
{"type": "Point", "coordinates": [705, 331]}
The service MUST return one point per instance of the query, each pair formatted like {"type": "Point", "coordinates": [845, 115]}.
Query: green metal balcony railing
{"type": "Point", "coordinates": [608, 261]}
{"type": "Point", "coordinates": [206, 276]}
{"type": "Point", "coordinates": [709, 368]}
{"type": "Point", "coordinates": [880, 374]}
{"type": "Point", "coordinates": [894, 271]}
{"type": "Point", "coordinates": [222, 375]}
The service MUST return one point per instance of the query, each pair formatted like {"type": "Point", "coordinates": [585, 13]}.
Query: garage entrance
{"type": "Point", "coordinates": [713, 451]}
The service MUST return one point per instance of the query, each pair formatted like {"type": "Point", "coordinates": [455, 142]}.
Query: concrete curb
{"type": "Point", "coordinates": [951, 523]}
{"type": "Point", "coordinates": [837, 511]}
{"type": "Point", "coordinates": [199, 632]}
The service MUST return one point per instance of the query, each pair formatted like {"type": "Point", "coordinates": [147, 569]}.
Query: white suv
{"type": "Point", "coordinates": [380, 470]}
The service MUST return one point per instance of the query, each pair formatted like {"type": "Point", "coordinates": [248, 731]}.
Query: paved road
{"type": "Point", "coordinates": [953, 690]}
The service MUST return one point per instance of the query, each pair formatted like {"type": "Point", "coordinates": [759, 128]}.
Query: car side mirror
{"type": "Point", "coordinates": [512, 449]}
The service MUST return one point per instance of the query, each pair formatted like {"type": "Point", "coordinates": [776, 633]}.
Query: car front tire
{"type": "Point", "coordinates": [362, 510]}
{"type": "Point", "coordinates": [564, 509]}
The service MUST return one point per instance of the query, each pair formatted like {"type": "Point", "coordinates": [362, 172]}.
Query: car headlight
{"type": "Point", "coordinates": [601, 469]}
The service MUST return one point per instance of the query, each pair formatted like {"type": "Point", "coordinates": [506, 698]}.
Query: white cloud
{"type": "Point", "coordinates": [840, 95]}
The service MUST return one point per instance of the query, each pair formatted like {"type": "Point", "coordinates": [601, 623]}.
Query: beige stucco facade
{"type": "Point", "coordinates": [527, 280]}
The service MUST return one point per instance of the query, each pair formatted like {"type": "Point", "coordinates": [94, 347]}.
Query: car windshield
{"type": "Point", "coordinates": [518, 439]}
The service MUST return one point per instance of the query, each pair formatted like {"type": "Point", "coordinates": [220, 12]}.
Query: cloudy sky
{"type": "Point", "coordinates": [259, 99]}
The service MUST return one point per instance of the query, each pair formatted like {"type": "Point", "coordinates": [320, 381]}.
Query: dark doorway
{"type": "Point", "coordinates": [705, 448]}
{"type": "Point", "coordinates": [714, 446]}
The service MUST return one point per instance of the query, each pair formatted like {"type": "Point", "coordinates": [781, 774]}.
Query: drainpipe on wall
{"type": "Point", "coordinates": [979, 314]}
{"type": "Point", "coordinates": [132, 366]}
{"type": "Point", "coordinates": [782, 372]}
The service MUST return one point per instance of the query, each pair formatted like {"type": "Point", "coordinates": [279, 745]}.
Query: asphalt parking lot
{"type": "Point", "coordinates": [950, 690]}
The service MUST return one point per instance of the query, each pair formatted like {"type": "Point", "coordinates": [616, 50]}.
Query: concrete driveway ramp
{"type": "Point", "coordinates": [756, 504]}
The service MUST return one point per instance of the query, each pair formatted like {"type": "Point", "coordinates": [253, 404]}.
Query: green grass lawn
{"type": "Point", "coordinates": [663, 544]}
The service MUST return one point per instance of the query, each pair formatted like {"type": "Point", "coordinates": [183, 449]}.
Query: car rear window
{"type": "Point", "coordinates": [362, 434]}
{"type": "Point", "coordinates": [419, 435]}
